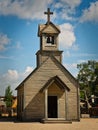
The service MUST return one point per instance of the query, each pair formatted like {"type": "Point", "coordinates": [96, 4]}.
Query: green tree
{"type": "Point", "coordinates": [96, 81]}
{"type": "Point", "coordinates": [8, 96]}
{"type": "Point", "coordinates": [88, 77]}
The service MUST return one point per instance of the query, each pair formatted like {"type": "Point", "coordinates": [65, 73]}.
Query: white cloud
{"type": "Point", "coordinates": [72, 68]}
{"type": "Point", "coordinates": [4, 41]}
{"type": "Point", "coordinates": [27, 71]}
{"type": "Point", "coordinates": [73, 65]}
{"type": "Point", "coordinates": [18, 45]}
{"type": "Point", "coordinates": [90, 14]}
{"type": "Point", "coordinates": [4, 44]}
{"type": "Point", "coordinates": [72, 3]}
{"type": "Point", "coordinates": [75, 47]}
{"type": "Point", "coordinates": [84, 55]}
{"type": "Point", "coordinates": [68, 3]}
{"type": "Point", "coordinates": [58, 5]}
{"type": "Point", "coordinates": [67, 36]}
{"type": "Point", "coordinates": [67, 54]}
{"type": "Point", "coordinates": [33, 9]}
{"type": "Point", "coordinates": [6, 57]}
{"type": "Point", "coordinates": [26, 9]}
{"type": "Point", "coordinates": [11, 75]}
{"type": "Point", "coordinates": [81, 61]}
{"type": "Point", "coordinates": [67, 9]}
{"type": "Point", "coordinates": [13, 78]}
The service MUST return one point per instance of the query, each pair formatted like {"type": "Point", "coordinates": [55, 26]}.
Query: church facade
{"type": "Point", "coordinates": [50, 92]}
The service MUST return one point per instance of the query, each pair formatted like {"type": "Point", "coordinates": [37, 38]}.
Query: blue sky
{"type": "Point", "coordinates": [19, 19]}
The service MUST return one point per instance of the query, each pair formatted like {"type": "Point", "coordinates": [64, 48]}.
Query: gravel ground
{"type": "Point", "coordinates": [84, 124]}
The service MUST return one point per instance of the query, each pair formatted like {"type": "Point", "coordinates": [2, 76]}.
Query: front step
{"type": "Point", "coordinates": [52, 120]}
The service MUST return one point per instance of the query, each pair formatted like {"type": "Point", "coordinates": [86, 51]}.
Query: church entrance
{"type": "Point", "coordinates": [52, 106]}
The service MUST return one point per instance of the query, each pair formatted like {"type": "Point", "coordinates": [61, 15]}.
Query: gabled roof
{"type": "Point", "coordinates": [67, 73]}
{"type": "Point", "coordinates": [57, 81]}
{"type": "Point", "coordinates": [21, 84]}
{"type": "Point", "coordinates": [43, 27]}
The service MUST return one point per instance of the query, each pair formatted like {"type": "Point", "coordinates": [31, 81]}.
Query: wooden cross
{"type": "Point", "coordinates": [48, 14]}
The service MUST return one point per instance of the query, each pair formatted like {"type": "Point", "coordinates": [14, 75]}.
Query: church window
{"type": "Point", "coordinates": [50, 39]}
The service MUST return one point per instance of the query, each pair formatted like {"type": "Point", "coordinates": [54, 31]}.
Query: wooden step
{"type": "Point", "coordinates": [55, 121]}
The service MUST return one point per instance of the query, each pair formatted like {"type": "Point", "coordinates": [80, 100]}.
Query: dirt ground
{"type": "Point", "coordinates": [84, 124]}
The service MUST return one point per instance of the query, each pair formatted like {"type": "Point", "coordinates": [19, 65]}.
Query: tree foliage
{"type": "Point", "coordinates": [8, 96]}
{"type": "Point", "coordinates": [88, 77]}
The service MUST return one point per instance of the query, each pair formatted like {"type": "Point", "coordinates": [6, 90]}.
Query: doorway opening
{"type": "Point", "coordinates": [52, 107]}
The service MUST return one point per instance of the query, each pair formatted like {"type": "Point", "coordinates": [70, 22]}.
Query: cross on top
{"type": "Point", "coordinates": [48, 14]}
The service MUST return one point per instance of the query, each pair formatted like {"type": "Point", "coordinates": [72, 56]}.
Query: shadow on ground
{"type": "Point", "coordinates": [8, 119]}
{"type": "Point", "coordinates": [15, 120]}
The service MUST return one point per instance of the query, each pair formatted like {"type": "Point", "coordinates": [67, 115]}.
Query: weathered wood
{"type": "Point", "coordinates": [46, 106]}
{"type": "Point", "coordinates": [32, 102]}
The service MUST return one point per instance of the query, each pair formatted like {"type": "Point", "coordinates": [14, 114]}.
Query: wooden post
{"type": "Point", "coordinates": [66, 105]}
{"type": "Point", "coordinates": [46, 104]}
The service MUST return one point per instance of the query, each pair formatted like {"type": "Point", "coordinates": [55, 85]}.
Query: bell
{"type": "Point", "coordinates": [48, 39]}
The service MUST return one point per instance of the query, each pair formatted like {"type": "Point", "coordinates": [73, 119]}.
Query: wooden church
{"type": "Point", "coordinates": [50, 92]}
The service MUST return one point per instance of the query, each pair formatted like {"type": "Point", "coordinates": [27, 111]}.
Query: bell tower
{"type": "Point", "coordinates": [49, 40]}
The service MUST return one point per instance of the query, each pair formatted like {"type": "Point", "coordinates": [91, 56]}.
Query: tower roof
{"type": "Point", "coordinates": [49, 27]}
{"type": "Point", "coordinates": [45, 28]}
